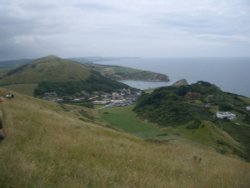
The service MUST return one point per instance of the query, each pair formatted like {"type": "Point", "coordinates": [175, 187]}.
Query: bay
{"type": "Point", "coordinates": [231, 74]}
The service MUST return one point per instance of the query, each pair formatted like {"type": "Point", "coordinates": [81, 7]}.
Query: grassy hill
{"type": "Point", "coordinates": [50, 68]}
{"type": "Point", "coordinates": [190, 111]}
{"type": "Point", "coordinates": [52, 73]}
{"type": "Point", "coordinates": [110, 71]}
{"type": "Point", "coordinates": [49, 145]}
{"type": "Point", "coordinates": [127, 73]}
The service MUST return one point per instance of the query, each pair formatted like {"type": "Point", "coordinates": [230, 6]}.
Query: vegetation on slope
{"type": "Point", "coordinates": [124, 119]}
{"type": "Point", "coordinates": [126, 73]}
{"type": "Point", "coordinates": [50, 68]}
{"type": "Point", "coordinates": [204, 133]}
{"type": "Point", "coordinates": [174, 106]}
{"type": "Point", "coordinates": [95, 82]}
{"type": "Point", "coordinates": [58, 75]}
{"type": "Point", "coordinates": [46, 146]}
{"type": "Point", "coordinates": [194, 107]}
{"type": "Point", "coordinates": [27, 89]}
{"type": "Point", "coordinates": [110, 71]}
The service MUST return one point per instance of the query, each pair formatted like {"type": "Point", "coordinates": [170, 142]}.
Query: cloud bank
{"type": "Point", "coordinates": [146, 28]}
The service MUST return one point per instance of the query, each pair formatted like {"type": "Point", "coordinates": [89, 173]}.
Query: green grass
{"type": "Point", "coordinates": [123, 118]}
{"type": "Point", "coordinates": [240, 133]}
{"type": "Point", "coordinates": [47, 145]}
{"type": "Point", "coordinates": [118, 69]}
{"type": "Point", "coordinates": [208, 134]}
{"type": "Point", "coordinates": [27, 89]}
{"type": "Point", "coordinates": [51, 69]}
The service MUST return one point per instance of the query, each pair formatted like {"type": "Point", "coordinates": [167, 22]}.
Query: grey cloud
{"type": "Point", "coordinates": [113, 28]}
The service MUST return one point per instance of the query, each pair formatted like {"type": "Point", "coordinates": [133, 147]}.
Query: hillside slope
{"type": "Point", "coordinates": [49, 68]}
{"type": "Point", "coordinates": [127, 73]}
{"type": "Point", "coordinates": [48, 146]}
{"type": "Point", "coordinates": [192, 109]}
{"type": "Point", "coordinates": [64, 77]}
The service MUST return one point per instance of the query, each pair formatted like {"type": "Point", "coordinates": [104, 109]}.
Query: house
{"type": "Point", "coordinates": [226, 115]}
{"type": "Point", "coordinates": [248, 108]}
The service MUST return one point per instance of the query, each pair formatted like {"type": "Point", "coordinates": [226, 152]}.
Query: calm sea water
{"type": "Point", "coordinates": [230, 74]}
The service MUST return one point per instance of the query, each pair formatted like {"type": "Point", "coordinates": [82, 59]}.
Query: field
{"type": "Point", "coordinates": [124, 119]}
{"type": "Point", "coordinates": [49, 145]}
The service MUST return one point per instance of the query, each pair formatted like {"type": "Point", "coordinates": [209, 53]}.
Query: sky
{"type": "Point", "coordinates": [127, 28]}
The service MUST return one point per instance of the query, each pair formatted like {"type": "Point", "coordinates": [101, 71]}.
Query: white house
{"type": "Point", "coordinates": [248, 108]}
{"type": "Point", "coordinates": [226, 115]}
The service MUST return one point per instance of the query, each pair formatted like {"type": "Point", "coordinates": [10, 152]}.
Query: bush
{"type": "Point", "coordinates": [225, 107]}
{"type": "Point", "coordinates": [247, 119]}
{"type": "Point", "coordinates": [95, 82]}
{"type": "Point", "coordinates": [194, 125]}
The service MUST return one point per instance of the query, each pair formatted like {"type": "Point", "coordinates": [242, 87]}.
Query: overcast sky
{"type": "Point", "coordinates": [142, 28]}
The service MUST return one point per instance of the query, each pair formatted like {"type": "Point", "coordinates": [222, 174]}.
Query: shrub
{"type": "Point", "coordinates": [194, 125]}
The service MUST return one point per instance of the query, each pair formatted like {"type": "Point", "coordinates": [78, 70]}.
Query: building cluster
{"type": "Point", "coordinates": [122, 97]}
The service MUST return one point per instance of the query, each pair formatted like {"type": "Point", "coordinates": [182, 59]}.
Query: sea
{"type": "Point", "coordinates": [231, 74]}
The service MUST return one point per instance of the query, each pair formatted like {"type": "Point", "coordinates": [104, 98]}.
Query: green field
{"type": "Point", "coordinates": [207, 134]}
{"type": "Point", "coordinates": [123, 118]}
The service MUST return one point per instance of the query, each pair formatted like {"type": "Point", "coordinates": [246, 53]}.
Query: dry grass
{"type": "Point", "coordinates": [27, 89]}
{"type": "Point", "coordinates": [48, 147]}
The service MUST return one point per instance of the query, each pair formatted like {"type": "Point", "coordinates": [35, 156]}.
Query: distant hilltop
{"type": "Point", "coordinates": [123, 73]}
{"type": "Point", "coordinates": [62, 76]}
{"type": "Point", "coordinates": [126, 73]}
{"type": "Point", "coordinates": [110, 71]}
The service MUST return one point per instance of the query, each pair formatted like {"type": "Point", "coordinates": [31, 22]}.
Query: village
{"type": "Point", "coordinates": [122, 97]}
{"type": "Point", "coordinates": [125, 97]}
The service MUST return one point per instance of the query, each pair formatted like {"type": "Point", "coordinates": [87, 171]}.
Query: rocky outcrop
{"type": "Point", "coordinates": [179, 83]}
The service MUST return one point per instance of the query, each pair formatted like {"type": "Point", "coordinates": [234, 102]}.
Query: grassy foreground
{"type": "Point", "coordinates": [48, 146]}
